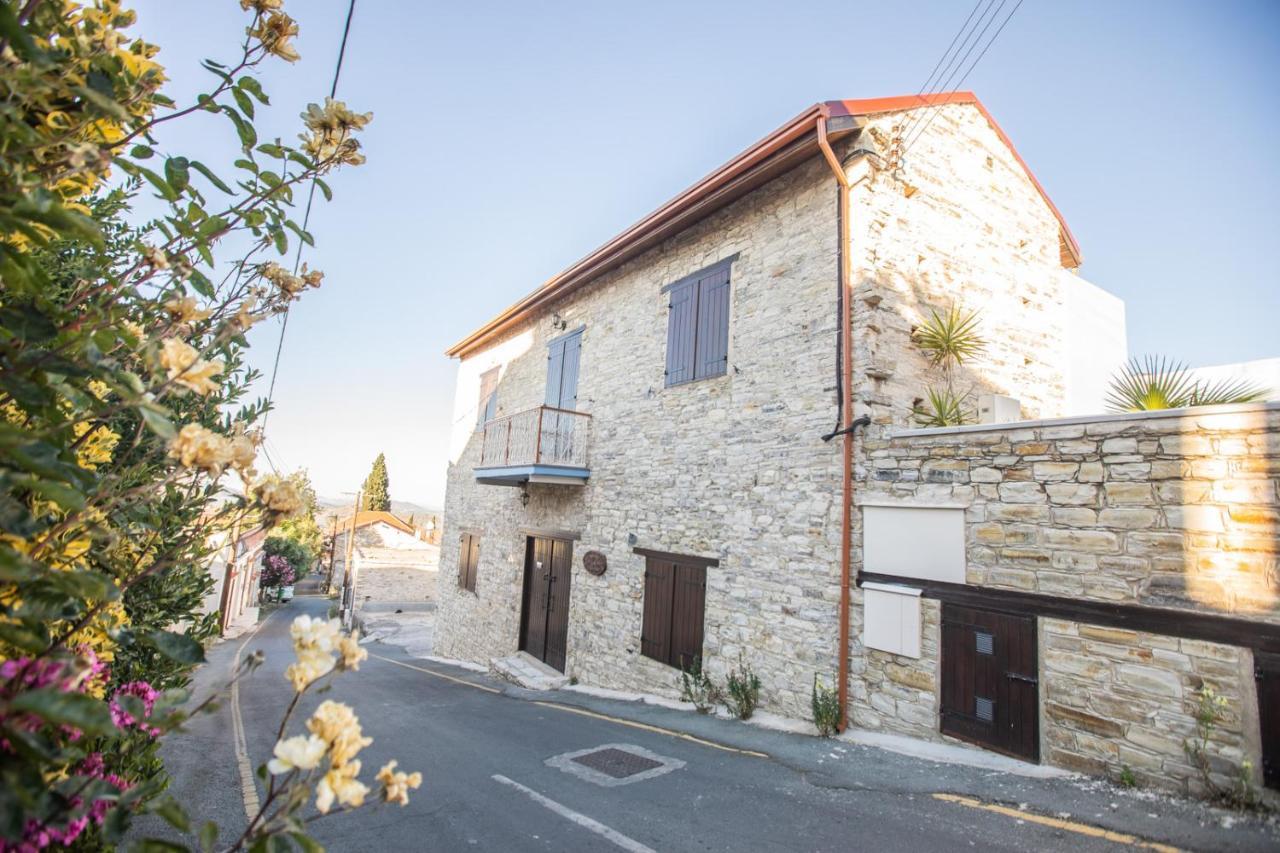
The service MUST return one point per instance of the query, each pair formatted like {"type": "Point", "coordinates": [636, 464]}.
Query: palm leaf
{"type": "Point", "coordinates": [946, 409]}
{"type": "Point", "coordinates": [1155, 382]}
{"type": "Point", "coordinates": [950, 338]}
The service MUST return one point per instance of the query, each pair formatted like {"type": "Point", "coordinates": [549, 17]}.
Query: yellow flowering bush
{"type": "Point", "coordinates": [125, 399]}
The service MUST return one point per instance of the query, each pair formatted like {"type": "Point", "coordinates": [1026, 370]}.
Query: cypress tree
{"type": "Point", "coordinates": [377, 495]}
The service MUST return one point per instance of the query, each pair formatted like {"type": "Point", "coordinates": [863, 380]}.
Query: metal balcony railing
{"type": "Point", "coordinates": [543, 435]}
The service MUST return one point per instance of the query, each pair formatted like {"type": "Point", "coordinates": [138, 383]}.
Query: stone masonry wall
{"type": "Point", "coordinates": [1171, 509]}
{"type": "Point", "coordinates": [733, 467]}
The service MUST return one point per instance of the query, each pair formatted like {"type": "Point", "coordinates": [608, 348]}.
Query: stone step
{"type": "Point", "coordinates": [527, 671]}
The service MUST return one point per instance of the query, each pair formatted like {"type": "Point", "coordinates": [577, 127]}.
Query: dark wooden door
{"type": "Point", "coordinates": [1266, 668]}
{"type": "Point", "coordinates": [990, 684]}
{"type": "Point", "coordinates": [544, 622]}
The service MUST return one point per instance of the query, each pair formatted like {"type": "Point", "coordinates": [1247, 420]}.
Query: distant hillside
{"type": "Point", "coordinates": [343, 506]}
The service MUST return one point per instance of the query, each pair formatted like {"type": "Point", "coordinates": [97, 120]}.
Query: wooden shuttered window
{"type": "Point", "coordinates": [488, 406]}
{"type": "Point", "coordinates": [468, 561]}
{"type": "Point", "coordinates": [698, 326]}
{"type": "Point", "coordinates": [675, 597]}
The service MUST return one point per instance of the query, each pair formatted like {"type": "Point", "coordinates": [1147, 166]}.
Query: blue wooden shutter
{"type": "Point", "coordinates": [712, 350]}
{"type": "Point", "coordinates": [681, 323]}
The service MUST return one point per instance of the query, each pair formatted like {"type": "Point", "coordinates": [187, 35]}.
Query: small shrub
{"type": "Point", "coordinates": [743, 692]}
{"type": "Point", "coordinates": [826, 708]}
{"type": "Point", "coordinates": [698, 688]}
{"type": "Point", "coordinates": [1210, 709]}
{"type": "Point", "coordinates": [1126, 778]}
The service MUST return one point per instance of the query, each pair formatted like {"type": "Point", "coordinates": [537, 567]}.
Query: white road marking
{"type": "Point", "coordinates": [577, 817]}
{"type": "Point", "coordinates": [248, 788]}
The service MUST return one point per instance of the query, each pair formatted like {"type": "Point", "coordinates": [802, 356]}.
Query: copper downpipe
{"type": "Point", "coordinates": [846, 413]}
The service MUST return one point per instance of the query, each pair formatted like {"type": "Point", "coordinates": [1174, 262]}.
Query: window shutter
{"type": "Point", "coordinates": [468, 559]}
{"type": "Point", "coordinates": [555, 372]}
{"type": "Point", "coordinates": [655, 629]}
{"type": "Point", "coordinates": [681, 322]}
{"type": "Point", "coordinates": [689, 603]}
{"type": "Point", "coordinates": [474, 563]}
{"type": "Point", "coordinates": [488, 405]}
{"type": "Point", "coordinates": [712, 351]}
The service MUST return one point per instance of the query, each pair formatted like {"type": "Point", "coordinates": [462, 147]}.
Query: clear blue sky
{"type": "Point", "coordinates": [510, 139]}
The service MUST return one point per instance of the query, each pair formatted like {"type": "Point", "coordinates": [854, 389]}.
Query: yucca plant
{"type": "Point", "coordinates": [1155, 382]}
{"type": "Point", "coordinates": [946, 408]}
{"type": "Point", "coordinates": [950, 338]}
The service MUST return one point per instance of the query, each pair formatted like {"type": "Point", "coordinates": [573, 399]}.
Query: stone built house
{"type": "Point", "coordinates": [390, 558]}
{"type": "Point", "coordinates": [639, 473]}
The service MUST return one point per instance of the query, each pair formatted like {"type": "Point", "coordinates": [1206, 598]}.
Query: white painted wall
{"type": "Point", "coordinates": [1263, 371]}
{"type": "Point", "coordinates": [466, 399]}
{"type": "Point", "coordinates": [1096, 343]}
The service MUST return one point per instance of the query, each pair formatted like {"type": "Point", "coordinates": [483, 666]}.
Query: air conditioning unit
{"type": "Point", "coordinates": [998, 409]}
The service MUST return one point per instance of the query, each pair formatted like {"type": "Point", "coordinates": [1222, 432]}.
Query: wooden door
{"type": "Point", "coordinates": [990, 686]}
{"type": "Point", "coordinates": [1266, 669]}
{"type": "Point", "coordinates": [544, 622]}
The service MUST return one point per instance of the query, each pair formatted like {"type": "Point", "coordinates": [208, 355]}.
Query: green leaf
{"type": "Point", "coordinates": [211, 177]}
{"type": "Point", "coordinates": [13, 31]}
{"type": "Point", "coordinates": [211, 226]}
{"type": "Point", "coordinates": [176, 647]}
{"type": "Point", "coordinates": [324, 188]}
{"type": "Point", "coordinates": [23, 637]}
{"type": "Point", "coordinates": [173, 813]}
{"type": "Point", "coordinates": [243, 101]}
{"type": "Point", "coordinates": [141, 152]}
{"type": "Point", "coordinates": [208, 836]}
{"type": "Point", "coordinates": [281, 240]}
{"type": "Point", "coordinates": [271, 149]}
{"type": "Point", "coordinates": [157, 421]}
{"type": "Point", "coordinates": [248, 136]}
{"type": "Point", "coordinates": [177, 172]}
{"type": "Point", "coordinates": [159, 845]}
{"type": "Point", "coordinates": [65, 709]}
{"type": "Point", "coordinates": [253, 87]}
{"type": "Point", "coordinates": [306, 842]}
{"type": "Point", "coordinates": [201, 283]}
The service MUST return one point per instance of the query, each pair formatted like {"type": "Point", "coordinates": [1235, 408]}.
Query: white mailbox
{"type": "Point", "coordinates": [891, 618]}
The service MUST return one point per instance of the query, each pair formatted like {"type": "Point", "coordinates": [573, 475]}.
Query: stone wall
{"type": "Point", "coordinates": [1116, 699]}
{"type": "Point", "coordinates": [1172, 509]}
{"type": "Point", "coordinates": [733, 467]}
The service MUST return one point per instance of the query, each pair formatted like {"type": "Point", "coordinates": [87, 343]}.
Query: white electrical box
{"type": "Point", "coordinates": [998, 409]}
{"type": "Point", "coordinates": [891, 618]}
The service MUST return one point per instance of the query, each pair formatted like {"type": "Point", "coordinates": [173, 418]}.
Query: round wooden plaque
{"type": "Point", "coordinates": [594, 562]}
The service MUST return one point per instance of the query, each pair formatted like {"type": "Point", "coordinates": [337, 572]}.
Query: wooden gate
{"type": "Point", "coordinates": [544, 618]}
{"type": "Point", "coordinates": [990, 689]}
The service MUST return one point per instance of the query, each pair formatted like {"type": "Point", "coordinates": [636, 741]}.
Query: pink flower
{"type": "Point", "coordinates": [122, 718]}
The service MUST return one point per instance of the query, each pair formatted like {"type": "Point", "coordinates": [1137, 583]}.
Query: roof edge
{"type": "Point", "coordinates": [743, 164]}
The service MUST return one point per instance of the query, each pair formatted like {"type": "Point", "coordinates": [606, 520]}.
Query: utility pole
{"type": "Point", "coordinates": [333, 547]}
{"type": "Point", "coordinates": [348, 576]}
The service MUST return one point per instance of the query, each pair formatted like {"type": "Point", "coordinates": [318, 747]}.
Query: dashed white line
{"type": "Point", "coordinates": [580, 819]}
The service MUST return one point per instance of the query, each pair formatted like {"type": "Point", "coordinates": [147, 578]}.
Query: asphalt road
{"type": "Point", "coordinates": [483, 749]}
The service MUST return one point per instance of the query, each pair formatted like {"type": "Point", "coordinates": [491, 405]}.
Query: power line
{"type": "Point", "coordinates": [930, 81]}
{"type": "Point", "coordinates": [957, 63]}
{"type": "Point", "coordinates": [306, 217]}
{"type": "Point", "coordinates": [937, 108]}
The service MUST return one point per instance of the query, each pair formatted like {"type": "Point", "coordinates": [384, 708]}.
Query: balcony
{"type": "Point", "coordinates": [540, 445]}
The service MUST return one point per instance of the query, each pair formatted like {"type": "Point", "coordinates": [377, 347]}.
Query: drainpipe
{"type": "Point", "coordinates": [847, 423]}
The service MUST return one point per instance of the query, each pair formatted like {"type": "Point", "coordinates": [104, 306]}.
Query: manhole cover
{"type": "Point", "coordinates": [612, 764]}
{"type": "Point", "coordinates": [617, 763]}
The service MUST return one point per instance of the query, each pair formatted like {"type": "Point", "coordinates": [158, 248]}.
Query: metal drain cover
{"type": "Point", "coordinates": [617, 763]}
{"type": "Point", "coordinates": [614, 764]}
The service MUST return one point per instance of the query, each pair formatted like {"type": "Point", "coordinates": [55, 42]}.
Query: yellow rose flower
{"type": "Point", "coordinates": [198, 447]}
{"type": "Point", "coordinates": [301, 752]}
{"type": "Point", "coordinates": [341, 782]}
{"type": "Point", "coordinates": [397, 784]}
{"type": "Point", "coordinates": [352, 654]}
